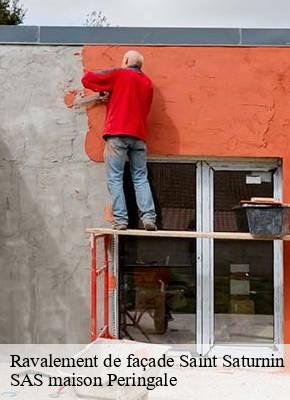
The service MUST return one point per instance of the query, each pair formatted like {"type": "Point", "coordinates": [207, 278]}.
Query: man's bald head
{"type": "Point", "coordinates": [132, 57]}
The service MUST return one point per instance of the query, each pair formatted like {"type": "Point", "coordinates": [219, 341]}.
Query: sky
{"type": "Point", "coordinates": [183, 13]}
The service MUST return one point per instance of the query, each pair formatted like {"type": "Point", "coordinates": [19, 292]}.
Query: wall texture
{"type": "Point", "coordinates": [212, 101]}
{"type": "Point", "coordinates": [50, 193]}
{"type": "Point", "coordinates": [221, 101]}
{"type": "Point", "coordinates": [209, 101]}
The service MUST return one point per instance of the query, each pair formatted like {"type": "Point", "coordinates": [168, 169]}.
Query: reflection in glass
{"type": "Point", "coordinates": [157, 289]}
{"type": "Point", "coordinates": [244, 292]}
{"type": "Point", "coordinates": [243, 270]}
{"type": "Point", "coordinates": [158, 275]}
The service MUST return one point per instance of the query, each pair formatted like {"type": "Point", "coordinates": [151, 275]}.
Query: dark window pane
{"type": "Point", "coordinates": [243, 280]}
{"type": "Point", "coordinates": [232, 186]}
{"type": "Point", "coordinates": [158, 275]}
{"type": "Point", "coordinates": [157, 289]}
{"type": "Point", "coordinates": [173, 188]}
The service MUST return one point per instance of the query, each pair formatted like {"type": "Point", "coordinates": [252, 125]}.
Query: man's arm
{"type": "Point", "coordinates": [100, 81]}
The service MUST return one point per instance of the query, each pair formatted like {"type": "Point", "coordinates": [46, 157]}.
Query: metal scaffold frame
{"type": "Point", "coordinates": [109, 282]}
{"type": "Point", "coordinates": [95, 274]}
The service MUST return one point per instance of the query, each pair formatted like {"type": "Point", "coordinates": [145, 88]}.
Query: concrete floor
{"type": "Point", "coordinates": [229, 328]}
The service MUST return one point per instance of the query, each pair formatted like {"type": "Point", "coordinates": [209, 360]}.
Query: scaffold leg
{"type": "Point", "coordinates": [95, 274]}
{"type": "Point", "coordinates": [93, 242]}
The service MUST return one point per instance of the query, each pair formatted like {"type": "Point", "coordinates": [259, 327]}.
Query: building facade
{"type": "Point", "coordinates": [218, 134]}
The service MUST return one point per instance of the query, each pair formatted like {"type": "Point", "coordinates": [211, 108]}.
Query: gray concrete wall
{"type": "Point", "coordinates": [49, 194]}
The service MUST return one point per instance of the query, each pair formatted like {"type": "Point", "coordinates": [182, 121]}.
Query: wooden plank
{"type": "Point", "coordinates": [265, 200]}
{"type": "Point", "coordinates": [181, 234]}
{"type": "Point", "coordinates": [262, 200]}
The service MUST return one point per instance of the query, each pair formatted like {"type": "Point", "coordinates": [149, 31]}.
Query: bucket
{"type": "Point", "coordinates": [264, 220]}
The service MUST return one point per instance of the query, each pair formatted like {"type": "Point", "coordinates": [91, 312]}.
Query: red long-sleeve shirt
{"type": "Point", "coordinates": [129, 102]}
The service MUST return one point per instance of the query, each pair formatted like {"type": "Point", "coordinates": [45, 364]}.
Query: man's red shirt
{"type": "Point", "coordinates": [129, 103]}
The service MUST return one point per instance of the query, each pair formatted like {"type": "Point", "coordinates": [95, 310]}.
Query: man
{"type": "Point", "coordinates": [130, 98]}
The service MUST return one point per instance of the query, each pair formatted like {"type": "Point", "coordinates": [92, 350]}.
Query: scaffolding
{"type": "Point", "coordinates": [109, 280]}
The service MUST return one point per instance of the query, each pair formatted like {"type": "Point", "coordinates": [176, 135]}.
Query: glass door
{"type": "Point", "coordinates": [157, 275]}
{"type": "Point", "coordinates": [243, 270]}
{"type": "Point", "coordinates": [246, 291]}
{"type": "Point", "coordinates": [202, 291]}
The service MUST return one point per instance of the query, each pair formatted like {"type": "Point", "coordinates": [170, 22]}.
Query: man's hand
{"type": "Point", "coordinates": [104, 96]}
{"type": "Point", "coordinates": [83, 101]}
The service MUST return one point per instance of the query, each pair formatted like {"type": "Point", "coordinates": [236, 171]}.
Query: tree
{"type": "Point", "coordinates": [97, 19]}
{"type": "Point", "coordinates": [11, 13]}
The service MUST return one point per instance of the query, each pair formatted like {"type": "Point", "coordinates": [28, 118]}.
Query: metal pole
{"type": "Point", "coordinates": [106, 284]}
{"type": "Point", "coordinates": [93, 287]}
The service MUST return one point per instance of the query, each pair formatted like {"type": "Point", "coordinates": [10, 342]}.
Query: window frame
{"type": "Point", "coordinates": [205, 167]}
{"type": "Point", "coordinates": [249, 165]}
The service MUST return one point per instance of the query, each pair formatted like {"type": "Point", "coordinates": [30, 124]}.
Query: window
{"type": "Point", "coordinates": [158, 275]}
{"type": "Point", "coordinates": [204, 291]}
{"type": "Point", "coordinates": [243, 270]}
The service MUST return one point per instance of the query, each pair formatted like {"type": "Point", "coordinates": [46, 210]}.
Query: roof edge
{"type": "Point", "coordinates": [80, 35]}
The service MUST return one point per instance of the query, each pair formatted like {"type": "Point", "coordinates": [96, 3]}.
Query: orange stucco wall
{"type": "Point", "coordinates": [211, 101]}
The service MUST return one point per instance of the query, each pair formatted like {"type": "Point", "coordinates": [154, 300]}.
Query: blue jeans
{"type": "Point", "coordinates": [117, 149]}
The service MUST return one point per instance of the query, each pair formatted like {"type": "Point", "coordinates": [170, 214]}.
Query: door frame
{"type": "Point", "coordinates": [245, 165]}
{"type": "Point", "coordinates": [205, 168]}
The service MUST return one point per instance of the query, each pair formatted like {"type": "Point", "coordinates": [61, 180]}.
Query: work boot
{"type": "Point", "coordinates": [119, 227]}
{"type": "Point", "coordinates": [149, 226]}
